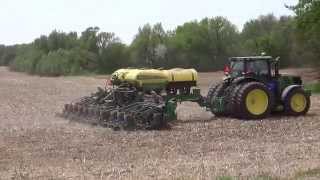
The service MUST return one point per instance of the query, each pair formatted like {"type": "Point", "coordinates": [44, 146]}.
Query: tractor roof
{"type": "Point", "coordinates": [251, 58]}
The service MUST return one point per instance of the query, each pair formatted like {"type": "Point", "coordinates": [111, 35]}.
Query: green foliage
{"type": "Point", "coordinates": [308, 26]}
{"type": "Point", "coordinates": [308, 174]}
{"type": "Point", "coordinates": [311, 173]}
{"type": "Point", "coordinates": [34, 61]}
{"type": "Point", "coordinates": [54, 64]}
{"type": "Point", "coordinates": [260, 177]}
{"type": "Point", "coordinates": [273, 36]}
{"type": "Point", "coordinates": [315, 87]}
{"type": "Point", "coordinates": [204, 45]}
{"type": "Point", "coordinates": [225, 178]}
{"type": "Point", "coordinates": [66, 54]}
{"type": "Point", "coordinates": [7, 54]}
{"type": "Point", "coordinates": [114, 57]}
{"type": "Point", "coordinates": [207, 44]}
{"type": "Point", "coordinates": [62, 62]}
{"type": "Point", "coordinates": [26, 59]}
{"type": "Point", "coordinates": [149, 48]}
{"type": "Point", "coordinates": [89, 39]}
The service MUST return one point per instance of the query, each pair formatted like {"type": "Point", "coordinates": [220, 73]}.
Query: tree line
{"type": "Point", "coordinates": [204, 45]}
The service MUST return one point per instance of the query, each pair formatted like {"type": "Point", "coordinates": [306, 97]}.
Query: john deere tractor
{"type": "Point", "coordinates": [147, 98]}
{"type": "Point", "coordinates": [253, 88]}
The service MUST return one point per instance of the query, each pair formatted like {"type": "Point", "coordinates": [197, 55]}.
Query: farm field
{"type": "Point", "coordinates": [35, 143]}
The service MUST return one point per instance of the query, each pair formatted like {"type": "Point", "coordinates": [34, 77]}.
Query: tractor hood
{"type": "Point", "coordinates": [287, 80]}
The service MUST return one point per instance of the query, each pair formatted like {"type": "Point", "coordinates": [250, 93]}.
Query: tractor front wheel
{"type": "Point", "coordinates": [297, 102]}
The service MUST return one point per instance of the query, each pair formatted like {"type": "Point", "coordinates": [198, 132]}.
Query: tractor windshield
{"type": "Point", "coordinates": [258, 67]}
{"type": "Point", "coordinates": [237, 68]}
{"type": "Point", "coordinates": [250, 67]}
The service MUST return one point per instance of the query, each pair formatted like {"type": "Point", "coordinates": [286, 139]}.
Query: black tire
{"type": "Point", "coordinates": [289, 110]}
{"type": "Point", "coordinates": [216, 91]}
{"type": "Point", "coordinates": [232, 108]}
{"type": "Point", "coordinates": [113, 116]}
{"type": "Point", "coordinates": [157, 121]}
{"type": "Point", "coordinates": [104, 118]}
{"type": "Point", "coordinates": [240, 106]}
{"type": "Point", "coordinates": [129, 121]}
{"type": "Point", "coordinates": [211, 90]}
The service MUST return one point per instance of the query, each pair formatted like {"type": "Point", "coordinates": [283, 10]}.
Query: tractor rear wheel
{"type": "Point", "coordinates": [297, 103]}
{"type": "Point", "coordinates": [218, 93]}
{"type": "Point", "coordinates": [232, 100]}
{"type": "Point", "coordinates": [253, 101]}
{"type": "Point", "coordinates": [214, 92]}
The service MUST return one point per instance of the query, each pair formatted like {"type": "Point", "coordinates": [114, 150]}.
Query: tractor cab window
{"type": "Point", "coordinates": [237, 67]}
{"type": "Point", "coordinates": [258, 67]}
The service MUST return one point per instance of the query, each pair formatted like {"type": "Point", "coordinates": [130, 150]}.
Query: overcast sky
{"type": "Point", "coordinates": [24, 20]}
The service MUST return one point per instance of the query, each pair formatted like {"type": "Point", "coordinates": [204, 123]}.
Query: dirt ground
{"type": "Point", "coordinates": [36, 144]}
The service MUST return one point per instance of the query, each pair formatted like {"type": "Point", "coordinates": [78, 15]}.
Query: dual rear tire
{"type": "Point", "coordinates": [216, 91]}
{"type": "Point", "coordinates": [252, 100]}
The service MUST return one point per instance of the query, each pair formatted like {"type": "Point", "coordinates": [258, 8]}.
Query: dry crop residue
{"type": "Point", "coordinates": [36, 144]}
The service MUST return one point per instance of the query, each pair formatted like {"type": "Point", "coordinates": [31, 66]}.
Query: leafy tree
{"type": "Point", "coordinates": [308, 25]}
{"type": "Point", "coordinates": [256, 35]}
{"type": "Point", "coordinates": [113, 57]}
{"type": "Point", "coordinates": [206, 44]}
{"type": "Point", "coordinates": [223, 39]}
{"type": "Point", "coordinates": [55, 63]}
{"type": "Point", "coordinates": [104, 39]}
{"type": "Point", "coordinates": [57, 40]}
{"type": "Point", "coordinates": [89, 39]}
{"type": "Point", "coordinates": [42, 43]}
{"type": "Point", "coordinates": [2, 51]}
{"type": "Point", "coordinates": [26, 59]}
{"type": "Point", "coordinates": [274, 36]}
{"type": "Point", "coordinates": [189, 41]}
{"type": "Point", "coordinates": [283, 41]}
{"type": "Point", "coordinates": [7, 54]}
{"type": "Point", "coordinates": [149, 46]}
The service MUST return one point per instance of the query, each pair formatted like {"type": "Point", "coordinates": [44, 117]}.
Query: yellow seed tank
{"type": "Point", "coordinates": [155, 78]}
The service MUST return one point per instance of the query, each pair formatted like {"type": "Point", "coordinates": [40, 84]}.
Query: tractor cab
{"type": "Point", "coordinates": [262, 67]}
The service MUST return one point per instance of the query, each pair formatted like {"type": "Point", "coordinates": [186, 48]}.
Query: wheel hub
{"type": "Point", "coordinates": [257, 102]}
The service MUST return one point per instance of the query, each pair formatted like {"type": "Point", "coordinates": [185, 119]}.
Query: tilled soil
{"type": "Point", "coordinates": [37, 144]}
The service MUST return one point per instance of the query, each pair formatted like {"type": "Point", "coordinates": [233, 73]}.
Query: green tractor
{"type": "Point", "coordinates": [253, 88]}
